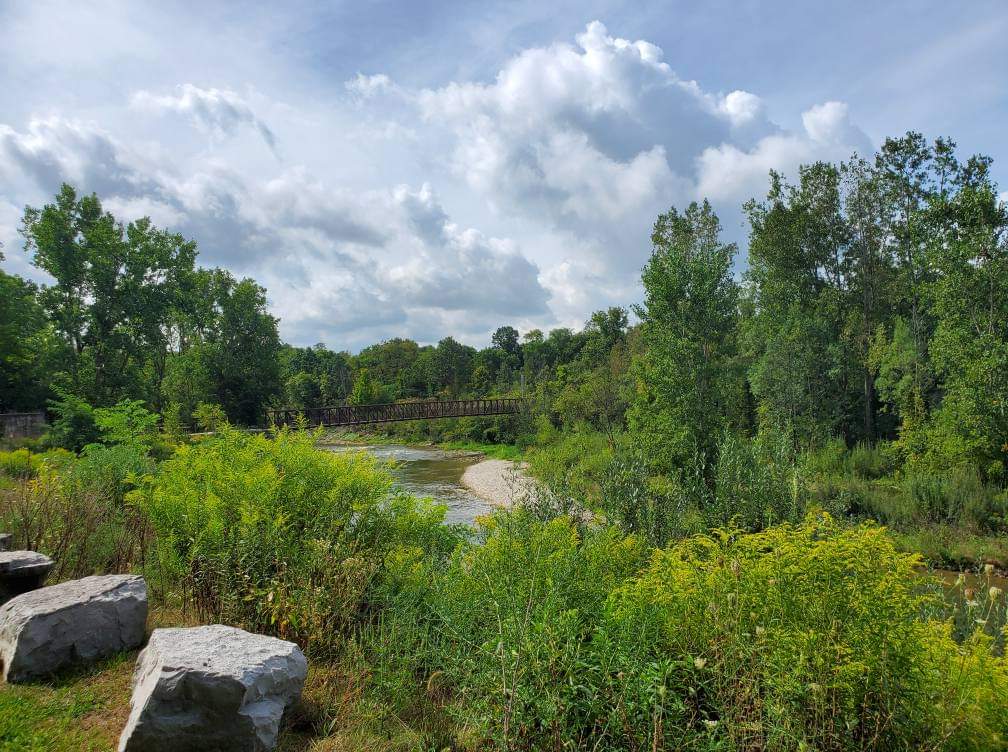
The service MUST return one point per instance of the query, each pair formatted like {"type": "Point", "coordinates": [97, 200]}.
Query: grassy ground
{"type": "Point", "coordinates": [948, 547]}
{"type": "Point", "coordinates": [80, 712]}
{"type": "Point", "coordinates": [85, 711]}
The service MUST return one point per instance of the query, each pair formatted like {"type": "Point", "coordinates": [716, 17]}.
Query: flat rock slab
{"type": "Point", "coordinates": [211, 688]}
{"type": "Point", "coordinates": [70, 624]}
{"type": "Point", "coordinates": [21, 571]}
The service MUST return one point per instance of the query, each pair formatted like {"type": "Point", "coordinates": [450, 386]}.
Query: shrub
{"type": "Point", "coordinates": [275, 535]}
{"type": "Point", "coordinates": [73, 511]}
{"type": "Point", "coordinates": [74, 426]}
{"type": "Point", "coordinates": [804, 636]}
{"type": "Point", "coordinates": [807, 636]}
{"type": "Point", "coordinates": [209, 416]}
{"type": "Point", "coordinates": [127, 422]}
{"type": "Point", "coordinates": [505, 626]}
{"type": "Point", "coordinates": [19, 464]}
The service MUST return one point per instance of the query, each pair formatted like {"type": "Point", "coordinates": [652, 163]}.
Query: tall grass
{"type": "Point", "coordinates": [73, 510]}
{"type": "Point", "coordinates": [545, 635]}
{"type": "Point", "coordinates": [275, 535]}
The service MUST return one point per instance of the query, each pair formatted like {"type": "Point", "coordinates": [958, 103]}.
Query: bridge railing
{"type": "Point", "coordinates": [351, 415]}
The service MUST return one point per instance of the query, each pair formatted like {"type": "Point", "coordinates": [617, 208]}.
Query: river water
{"type": "Point", "coordinates": [430, 472]}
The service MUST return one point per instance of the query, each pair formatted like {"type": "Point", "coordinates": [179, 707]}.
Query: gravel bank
{"type": "Point", "coordinates": [500, 482]}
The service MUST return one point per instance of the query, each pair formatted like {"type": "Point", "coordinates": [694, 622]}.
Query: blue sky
{"type": "Point", "coordinates": [423, 169]}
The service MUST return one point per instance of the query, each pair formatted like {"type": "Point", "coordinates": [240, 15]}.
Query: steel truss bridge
{"type": "Point", "coordinates": [356, 415]}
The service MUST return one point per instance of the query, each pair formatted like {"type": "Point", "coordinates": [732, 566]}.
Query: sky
{"type": "Point", "coordinates": [424, 169]}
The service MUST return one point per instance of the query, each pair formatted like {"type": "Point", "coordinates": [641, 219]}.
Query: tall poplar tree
{"type": "Point", "coordinates": [685, 378]}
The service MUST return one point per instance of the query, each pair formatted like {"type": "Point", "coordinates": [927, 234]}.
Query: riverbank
{"type": "Point", "coordinates": [501, 482]}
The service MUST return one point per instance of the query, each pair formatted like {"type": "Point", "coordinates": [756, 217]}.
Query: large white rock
{"type": "Point", "coordinates": [73, 623]}
{"type": "Point", "coordinates": [21, 571]}
{"type": "Point", "coordinates": [211, 688]}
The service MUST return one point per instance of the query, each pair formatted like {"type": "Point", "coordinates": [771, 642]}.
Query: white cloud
{"type": "Point", "coordinates": [218, 111]}
{"type": "Point", "coordinates": [729, 174]}
{"type": "Point", "coordinates": [334, 260]}
{"type": "Point", "coordinates": [369, 86]}
{"type": "Point", "coordinates": [549, 173]}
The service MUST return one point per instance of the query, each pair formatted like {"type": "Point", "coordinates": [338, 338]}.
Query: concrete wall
{"type": "Point", "coordinates": [21, 425]}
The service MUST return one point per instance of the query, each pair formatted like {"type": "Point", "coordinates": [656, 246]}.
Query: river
{"type": "Point", "coordinates": [428, 471]}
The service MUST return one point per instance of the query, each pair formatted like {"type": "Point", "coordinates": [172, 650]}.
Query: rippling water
{"type": "Point", "coordinates": [427, 471]}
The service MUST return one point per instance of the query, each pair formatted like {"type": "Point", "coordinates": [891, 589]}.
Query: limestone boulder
{"type": "Point", "coordinates": [211, 688]}
{"type": "Point", "coordinates": [73, 623]}
{"type": "Point", "coordinates": [21, 571]}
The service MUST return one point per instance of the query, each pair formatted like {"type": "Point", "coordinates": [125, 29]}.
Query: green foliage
{"type": "Point", "coordinates": [28, 349]}
{"type": "Point", "coordinates": [550, 634]}
{"type": "Point", "coordinates": [209, 416]}
{"type": "Point", "coordinates": [278, 536]}
{"type": "Point", "coordinates": [802, 637]}
{"type": "Point", "coordinates": [115, 291]}
{"type": "Point", "coordinates": [573, 465]}
{"type": "Point", "coordinates": [128, 422]}
{"type": "Point", "coordinates": [504, 627]}
{"type": "Point", "coordinates": [72, 509]}
{"type": "Point", "coordinates": [685, 379]}
{"type": "Point", "coordinates": [19, 464]}
{"type": "Point", "coordinates": [74, 426]}
{"type": "Point", "coordinates": [365, 390]}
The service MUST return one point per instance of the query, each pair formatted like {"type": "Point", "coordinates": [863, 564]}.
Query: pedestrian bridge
{"type": "Point", "coordinates": [356, 415]}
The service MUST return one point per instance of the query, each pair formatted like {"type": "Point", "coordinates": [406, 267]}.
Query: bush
{"type": "Point", "coordinates": [808, 636]}
{"type": "Point", "coordinates": [275, 535]}
{"type": "Point", "coordinates": [802, 636]}
{"type": "Point", "coordinates": [127, 422]}
{"type": "Point", "coordinates": [74, 512]}
{"type": "Point", "coordinates": [19, 464]}
{"type": "Point", "coordinates": [503, 629]}
{"type": "Point", "coordinates": [74, 427]}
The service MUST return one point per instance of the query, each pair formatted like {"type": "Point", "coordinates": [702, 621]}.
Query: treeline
{"type": "Point", "coordinates": [130, 316]}
{"type": "Point", "coordinates": [874, 308]}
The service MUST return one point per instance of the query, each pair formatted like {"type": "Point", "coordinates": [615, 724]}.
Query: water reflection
{"type": "Point", "coordinates": [428, 471]}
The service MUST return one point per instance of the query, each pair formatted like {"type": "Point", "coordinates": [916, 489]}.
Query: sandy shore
{"type": "Point", "coordinates": [500, 482]}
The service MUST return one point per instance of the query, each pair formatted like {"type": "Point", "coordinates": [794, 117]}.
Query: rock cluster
{"type": "Point", "coordinates": [194, 689]}
{"type": "Point", "coordinates": [212, 687]}
{"type": "Point", "coordinates": [21, 571]}
{"type": "Point", "coordinates": [73, 623]}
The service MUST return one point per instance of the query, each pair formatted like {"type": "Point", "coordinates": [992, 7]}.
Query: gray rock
{"type": "Point", "coordinates": [21, 571]}
{"type": "Point", "coordinates": [73, 623]}
{"type": "Point", "coordinates": [5, 541]}
{"type": "Point", "coordinates": [211, 688]}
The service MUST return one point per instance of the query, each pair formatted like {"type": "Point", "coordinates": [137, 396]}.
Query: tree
{"type": "Point", "coordinates": [799, 369]}
{"type": "Point", "coordinates": [28, 348]}
{"type": "Point", "coordinates": [116, 288]}
{"type": "Point", "coordinates": [243, 351]}
{"type": "Point", "coordinates": [970, 343]}
{"type": "Point", "coordinates": [365, 390]}
{"type": "Point", "coordinates": [453, 366]}
{"type": "Point", "coordinates": [506, 338]}
{"type": "Point", "coordinates": [684, 378]}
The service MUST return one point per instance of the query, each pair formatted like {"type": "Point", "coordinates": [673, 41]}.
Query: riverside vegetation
{"type": "Point", "coordinates": [736, 499]}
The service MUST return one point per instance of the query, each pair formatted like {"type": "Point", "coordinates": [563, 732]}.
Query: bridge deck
{"type": "Point", "coordinates": [355, 415]}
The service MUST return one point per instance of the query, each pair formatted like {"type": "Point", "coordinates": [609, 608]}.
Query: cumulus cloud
{"type": "Point", "coordinates": [731, 174]}
{"type": "Point", "coordinates": [548, 175]}
{"type": "Point", "coordinates": [595, 138]}
{"type": "Point", "coordinates": [348, 263]}
{"type": "Point", "coordinates": [218, 111]}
